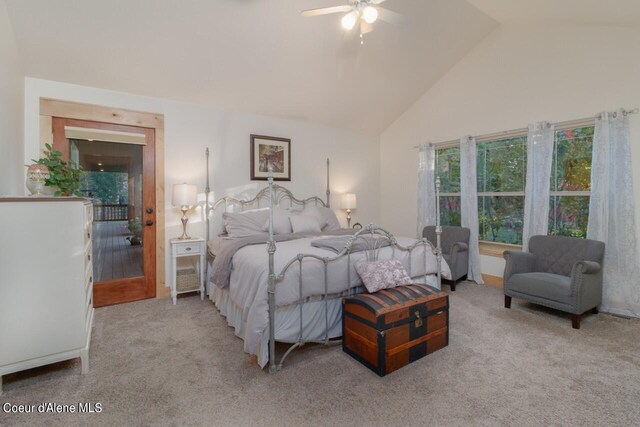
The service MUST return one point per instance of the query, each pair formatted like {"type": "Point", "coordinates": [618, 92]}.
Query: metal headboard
{"type": "Point", "coordinates": [277, 193]}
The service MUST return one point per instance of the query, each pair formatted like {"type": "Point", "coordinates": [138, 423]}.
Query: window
{"type": "Point", "coordinates": [502, 173]}
{"type": "Point", "coordinates": [502, 169]}
{"type": "Point", "coordinates": [448, 169]}
{"type": "Point", "coordinates": [571, 182]}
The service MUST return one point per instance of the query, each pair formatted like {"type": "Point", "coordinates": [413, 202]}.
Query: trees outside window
{"type": "Point", "coordinates": [571, 182]}
{"type": "Point", "coordinates": [106, 188]}
{"type": "Point", "coordinates": [448, 169]}
{"type": "Point", "coordinates": [502, 170]}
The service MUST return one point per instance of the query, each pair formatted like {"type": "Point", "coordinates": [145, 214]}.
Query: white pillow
{"type": "Point", "coordinates": [281, 223]}
{"type": "Point", "coordinates": [304, 224]}
{"type": "Point", "coordinates": [314, 211]}
{"type": "Point", "coordinates": [245, 224]}
{"type": "Point", "coordinates": [325, 216]}
{"type": "Point", "coordinates": [332, 220]}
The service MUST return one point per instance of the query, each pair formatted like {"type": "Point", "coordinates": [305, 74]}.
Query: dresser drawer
{"type": "Point", "coordinates": [188, 248]}
{"type": "Point", "coordinates": [88, 213]}
{"type": "Point", "coordinates": [88, 278]}
{"type": "Point", "coordinates": [89, 301]}
{"type": "Point", "coordinates": [88, 233]}
{"type": "Point", "coordinates": [88, 254]}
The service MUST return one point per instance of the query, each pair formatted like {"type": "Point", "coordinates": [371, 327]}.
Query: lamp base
{"type": "Point", "coordinates": [348, 218]}
{"type": "Point", "coordinates": [184, 220]}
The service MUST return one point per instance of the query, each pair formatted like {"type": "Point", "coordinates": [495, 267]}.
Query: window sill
{"type": "Point", "coordinates": [497, 249]}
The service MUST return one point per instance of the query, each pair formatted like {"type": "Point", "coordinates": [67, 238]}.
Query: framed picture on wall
{"type": "Point", "coordinates": [269, 150]}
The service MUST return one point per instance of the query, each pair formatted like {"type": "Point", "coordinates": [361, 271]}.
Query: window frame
{"type": "Point", "coordinates": [491, 248]}
{"type": "Point", "coordinates": [493, 138]}
{"type": "Point", "coordinates": [569, 126]}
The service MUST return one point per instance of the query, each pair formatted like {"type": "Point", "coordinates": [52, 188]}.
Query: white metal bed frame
{"type": "Point", "coordinates": [373, 235]}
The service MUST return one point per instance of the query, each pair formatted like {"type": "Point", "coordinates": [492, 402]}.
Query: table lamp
{"type": "Point", "coordinates": [184, 195]}
{"type": "Point", "coordinates": [349, 202]}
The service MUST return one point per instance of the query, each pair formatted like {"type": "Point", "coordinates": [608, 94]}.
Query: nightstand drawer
{"type": "Point", "coordinates": [186, 249]}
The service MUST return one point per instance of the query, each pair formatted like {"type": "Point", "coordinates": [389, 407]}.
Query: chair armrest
{"type": "Point", "coordinates": [586, 285]}
{"type": "Point", "coordinates": [518, 262]}
{"type": "Point", "coordinates": [459, 247]}
{"type": "Point", "coordinates": [587, 267]}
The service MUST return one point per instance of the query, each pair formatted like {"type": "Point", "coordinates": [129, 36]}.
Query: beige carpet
{"type": "Point", "coordinates": [158, 364]}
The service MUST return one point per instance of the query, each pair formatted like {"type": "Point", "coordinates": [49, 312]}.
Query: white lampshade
{"type": "Point", "coordinates": [184, 195]}
{"type": "Point", "coordinates": [349, 201]}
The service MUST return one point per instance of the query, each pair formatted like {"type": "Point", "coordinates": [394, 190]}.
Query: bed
{"type": "Point", "coordinates": [288, 287]}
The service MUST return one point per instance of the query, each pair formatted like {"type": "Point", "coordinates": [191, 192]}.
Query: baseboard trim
{"type": "Point", "coordinates": [496, 281]}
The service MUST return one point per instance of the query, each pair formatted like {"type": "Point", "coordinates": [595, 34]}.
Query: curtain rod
{"type": "Point", "coordinates": [514, 132]}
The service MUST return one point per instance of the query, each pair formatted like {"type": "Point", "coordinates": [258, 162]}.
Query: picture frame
{"type": "Point", "coordinates": [270, 150]}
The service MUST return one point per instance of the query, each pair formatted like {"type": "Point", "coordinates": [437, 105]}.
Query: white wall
{"type": "Point", "coordinates": [513, 77]}
{"type": "Point", "coordinates": [11, 109]}
{"type": "Point", "coordinates": [190, 128]}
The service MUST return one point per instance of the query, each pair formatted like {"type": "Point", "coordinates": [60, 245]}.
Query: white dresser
{"type": "Point", "coordinates": [46, 282]}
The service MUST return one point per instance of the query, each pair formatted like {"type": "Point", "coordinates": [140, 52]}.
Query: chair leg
{"type": "Point", "coordinates": [594, 310]}
{"type": "Point", "coordinates": [507, 301]}
{"type": "Point", "coordinates": [453, 286]}
{"type": "Point", "coordinates": [575, 321]}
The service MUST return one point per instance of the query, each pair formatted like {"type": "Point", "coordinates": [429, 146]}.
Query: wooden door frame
{"type": "Point", "coordinates": [127, 289]}
{"type": "Point", "coordinates": [50, 108]}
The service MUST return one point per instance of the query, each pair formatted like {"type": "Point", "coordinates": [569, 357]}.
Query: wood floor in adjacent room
{"type": "Point", "coordinates": [155, 363]}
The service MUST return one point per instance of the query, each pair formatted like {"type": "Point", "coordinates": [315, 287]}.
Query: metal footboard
{"type": "Point", "coordinates": [377, 237]}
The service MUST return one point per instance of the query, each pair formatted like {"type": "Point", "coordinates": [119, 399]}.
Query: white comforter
{"type": "Point", "coordinates": [249, 278]}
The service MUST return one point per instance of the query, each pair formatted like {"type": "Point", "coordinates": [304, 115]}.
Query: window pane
{"type": "Point", "coordinates": [568, 216]}
{"type": "Point", "coordinates": [448, 169]}
{"type": "Point", "coordinates": [572, 160]}
{"type": "Point", "coordinates": [450, 210]}
{"type": "Point", "coordinates": [501, 218]}
{"type": "Point", "coordinates": [502, 165]}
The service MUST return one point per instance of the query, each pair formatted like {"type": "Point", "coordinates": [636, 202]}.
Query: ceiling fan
{"type": "Point", "coordinates": [365, 11]}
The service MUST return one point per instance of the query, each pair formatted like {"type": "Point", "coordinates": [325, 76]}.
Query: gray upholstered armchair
{"type": "Point", "coordinates": [564, 273]}
{"type": "Point", "coordinates": [455, 249]}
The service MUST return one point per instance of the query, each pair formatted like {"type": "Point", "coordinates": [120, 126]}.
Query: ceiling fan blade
{"type": "Point", "coordinates": [377, 1]}
{"type": "Point", "coordinates": [327, 10]}
{"type": "Point", "coordinates": [391, 17]}
{"type": "Point", "coordinates": [365, 27]}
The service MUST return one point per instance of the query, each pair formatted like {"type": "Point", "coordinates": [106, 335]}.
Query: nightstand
{"type": "Point", "coordinates": [195, 246]}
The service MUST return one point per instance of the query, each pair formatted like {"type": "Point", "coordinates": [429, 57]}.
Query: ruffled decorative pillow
{"type": "Point", "coordinates": [384, 274]}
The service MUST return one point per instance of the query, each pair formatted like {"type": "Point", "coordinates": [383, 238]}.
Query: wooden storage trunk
{"type": "Point", "coordinates": [394, 327]}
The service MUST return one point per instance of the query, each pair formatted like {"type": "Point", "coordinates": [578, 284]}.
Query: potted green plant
{"type": "Point", "coordinates": [63, 177]}
{"type": "Point", "coordinates": [135, 227]}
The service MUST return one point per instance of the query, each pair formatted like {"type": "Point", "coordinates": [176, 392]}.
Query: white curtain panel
{"type": "Point", "coordinates": [469, 203]}
{"type": "Point", "coordinates": [426, 187]}
{"type": "Point", "coordinates": [612, 214]}
{"type": "Point", "coordinates": [537, 188]}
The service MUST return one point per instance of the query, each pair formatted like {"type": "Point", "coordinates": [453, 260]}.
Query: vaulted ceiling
{"type": "Point", "coordinates": [257, 56]}
{"type": "Point", "coordinates": [262, 56]}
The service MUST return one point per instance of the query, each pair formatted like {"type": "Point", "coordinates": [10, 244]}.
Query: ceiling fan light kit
{"type": "Point", "coordinates": [349, 20]}
{"type": "Point", "coordinates": [370, 14]}
{"type": "Point", "coordinates": [365, 11]}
